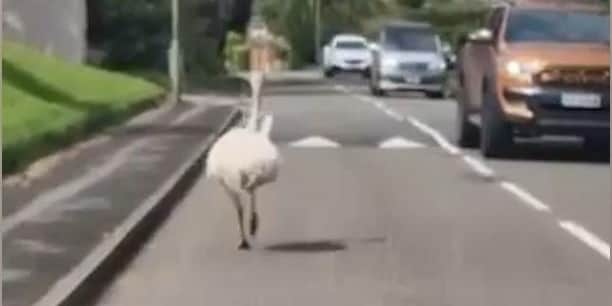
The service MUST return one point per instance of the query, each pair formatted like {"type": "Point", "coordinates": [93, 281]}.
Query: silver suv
{"type": "Point", "coordinates": [408, 57]}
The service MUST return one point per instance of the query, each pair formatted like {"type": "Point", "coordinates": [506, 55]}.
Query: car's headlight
{"type": "Point", "coordinates": [389, 62]}
{"type": "Point", "coordinates": [522, 69]}
{"type": "Point", "coordinates": [437, 65]}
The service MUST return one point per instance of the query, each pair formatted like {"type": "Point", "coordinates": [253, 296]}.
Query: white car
{"type": "Point", "coordinates": [346, 53]}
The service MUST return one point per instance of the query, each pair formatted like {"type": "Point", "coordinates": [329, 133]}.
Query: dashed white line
{"type": "Point", "coordinates": [525, 196]}
{"type": "Point", "coordinates": [587, 237]}
{"type": "Point", "coordinates": [479, 166]}
{"type": "Point", "coordinates": [442, 142]}
{"type": "Point", "coordinates": [576, 230]}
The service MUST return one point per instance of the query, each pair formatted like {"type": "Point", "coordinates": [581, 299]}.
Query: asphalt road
{"type": "Point", "coordinates": [375, 206]}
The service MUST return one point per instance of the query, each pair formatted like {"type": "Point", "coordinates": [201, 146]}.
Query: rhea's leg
{"type": "Point", "coordinates": [235, 197]}
{"type": "Point", "coordinates": [254, 224]}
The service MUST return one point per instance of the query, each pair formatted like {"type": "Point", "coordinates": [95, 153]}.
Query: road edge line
{"type": "Point", "coordinates": [109, 252]}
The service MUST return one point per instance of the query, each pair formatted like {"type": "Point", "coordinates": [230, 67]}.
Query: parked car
{"type": "Point", "coordinates": [346, 53]}
{"type": "Point", "coordinates": [536, 68]}
{"type": "Point", "coordinates": [408, 57]}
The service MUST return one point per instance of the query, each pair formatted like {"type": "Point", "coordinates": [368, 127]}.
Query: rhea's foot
{"type": "Point", "coordinates": [254, 224]}
{"type": "Point", "coordinates": [244, 245]}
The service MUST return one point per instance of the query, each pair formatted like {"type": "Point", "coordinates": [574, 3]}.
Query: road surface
{"type": "Point", "coordinates": [376, 206]}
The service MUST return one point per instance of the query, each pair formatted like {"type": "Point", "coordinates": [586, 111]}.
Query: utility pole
{"type": "Point", "coordinates": [317, 9]}
{"type": "Point", "coordinates": [174, 54]}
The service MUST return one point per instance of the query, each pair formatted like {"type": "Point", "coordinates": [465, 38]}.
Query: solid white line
{"type": "Point", "coordinates": [479, 166]}
{"type": "Point", "coordinates": [525, 197]}
{"type": "Point", "coordinates": [64, 191]}
{"type": "Point", "coordinates": [587, 237]}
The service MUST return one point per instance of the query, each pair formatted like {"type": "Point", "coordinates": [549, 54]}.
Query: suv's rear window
{"type": "Point", "coordinates": [350, 45]}
{"type": "Point", "coordinates": [537, 25]}
{"type": "Point", "coordinates": [408, 39]}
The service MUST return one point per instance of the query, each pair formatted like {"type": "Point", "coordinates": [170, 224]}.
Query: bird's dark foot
{"type": "Point", "coordinates": [244, 245]}
{"type": "Point", "coordinates": [254, 224]}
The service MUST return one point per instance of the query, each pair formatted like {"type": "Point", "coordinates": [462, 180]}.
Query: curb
{"type": "Point", "coordinates": [87, 281]}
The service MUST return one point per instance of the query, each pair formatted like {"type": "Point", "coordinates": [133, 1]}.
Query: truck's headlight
{"type": "Point", "coordinates": [521, 69]}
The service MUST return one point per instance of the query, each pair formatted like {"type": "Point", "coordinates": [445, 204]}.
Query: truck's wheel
{"type": "Point", "coordinates": [468, 134]}
{"type": "Point", "coordinates": [497, 135]}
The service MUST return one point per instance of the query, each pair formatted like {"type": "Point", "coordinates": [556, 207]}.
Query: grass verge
{"type": "Point", "coordinates": [48, 103]}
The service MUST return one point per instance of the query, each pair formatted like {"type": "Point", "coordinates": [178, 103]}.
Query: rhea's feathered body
{"type": "Point", "coordinates": [244, 159]}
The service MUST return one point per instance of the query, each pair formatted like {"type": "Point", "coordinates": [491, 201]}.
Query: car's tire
{"type": "Point", "coordinates": [468, 134]}
{"type": "Point", "coordinates": [442, 94]}
{"type": "Point", "coordinates": [366, 74]}
{"type": "Point", "coordinates": [375, 90]}
{"type": "Point", "coordinates": [330, 72]}
{"type": "Point", "coordinates": [379, 92]}
{"type": "Point", "coordinates": [496, 136]}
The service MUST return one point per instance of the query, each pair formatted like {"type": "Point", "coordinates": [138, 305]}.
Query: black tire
{"type": "Point", "coordinates": [378, 92]}
{"type": "Point", "coordinates": [468, 134]}
{"type": "Point", "coordinates": [443, 94]}
{"type": "Point", "coordinates": [375, 90]}
{"type": "Point", "coordinates": [366, 73]}
{"type": "Point", "coordinates": [330, 73]}
{"type": "Point", "coordinates": [497, 135]}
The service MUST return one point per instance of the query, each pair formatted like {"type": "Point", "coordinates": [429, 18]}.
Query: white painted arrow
{"type": "Point", "coordinates": [400, 143]}
{"type": "Point", "coordinates": [315, 142]}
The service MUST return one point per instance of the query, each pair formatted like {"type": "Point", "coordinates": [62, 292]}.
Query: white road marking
{"type": "Point", "coordinates": [442, 142]}
{"type": "Point", "coordinates": [67, 284]}
{"type": "Point", "coordinates": [525, 196]}
{"type": "Point", "coordinates": [315, 142]}
{"type": "Point", "coordinates": [587, 237]}
{"type": "Point", "coordinates": [63, 192]}
{"type": "Point", "coordinates": [400, 143]}
{"type": "Point", "coordinates": [14, 275]}
{"type": "Point", "coordinates": [479, 166]}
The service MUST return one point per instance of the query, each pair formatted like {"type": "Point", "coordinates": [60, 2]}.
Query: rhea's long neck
{"type": "Point", "coordinates": [255, 109]}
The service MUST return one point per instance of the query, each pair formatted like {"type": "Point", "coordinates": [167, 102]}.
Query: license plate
{"type": "Point", "coordinates": [412, 79]}
{"type": "Point", "coordinates": [572, 100]}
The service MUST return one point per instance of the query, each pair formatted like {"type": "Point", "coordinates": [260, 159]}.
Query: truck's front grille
{"type": "Point", "coordinates": [590, 78]}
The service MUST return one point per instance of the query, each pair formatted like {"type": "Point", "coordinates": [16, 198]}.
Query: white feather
{"type": "Point", "coordinates": [244, 151]}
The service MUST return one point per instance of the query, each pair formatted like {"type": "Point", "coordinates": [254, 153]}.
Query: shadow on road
{"type": "Point", "coordinates": [307, 247]}
{"type": "Point", "coordinates": [556, 151]}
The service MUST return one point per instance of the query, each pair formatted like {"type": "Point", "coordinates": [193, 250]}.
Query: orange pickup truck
{"type": "Point", "coordinates": [537, 67]}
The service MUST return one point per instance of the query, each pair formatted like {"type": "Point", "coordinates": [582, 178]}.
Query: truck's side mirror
{"type": "Point", "coordinates": [483, 36]}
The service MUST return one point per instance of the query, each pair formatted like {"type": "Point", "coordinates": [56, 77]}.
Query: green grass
{"type": "Point", "coordinates": [48, 103]}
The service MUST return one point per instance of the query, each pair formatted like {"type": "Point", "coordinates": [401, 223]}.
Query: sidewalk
{"type": "Point", "coordinates": [73, 210]}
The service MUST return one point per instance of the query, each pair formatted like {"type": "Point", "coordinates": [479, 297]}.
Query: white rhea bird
{"type": "Point", "coordinates": [244, 159]}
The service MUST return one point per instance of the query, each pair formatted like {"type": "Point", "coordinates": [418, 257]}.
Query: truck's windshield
{"type": "Point", "coordinates": [408, 39]}
{"type": "Point", "coordinates": [531, 25]}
